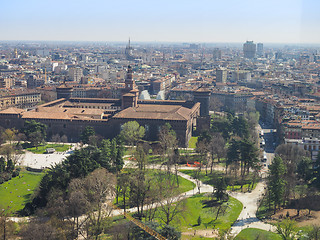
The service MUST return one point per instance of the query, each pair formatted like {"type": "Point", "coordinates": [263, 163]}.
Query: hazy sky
{"type": "Point", "coordinates": [278, 21]}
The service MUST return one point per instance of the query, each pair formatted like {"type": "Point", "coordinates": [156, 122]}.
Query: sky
{"type": "Point", "coordinates": [267, 21]}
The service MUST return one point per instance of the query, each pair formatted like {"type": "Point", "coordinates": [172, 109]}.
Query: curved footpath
{"type": "Point", "coordinates": [250, 201]}
{"type": "Point", "coordinates": [247, 217]}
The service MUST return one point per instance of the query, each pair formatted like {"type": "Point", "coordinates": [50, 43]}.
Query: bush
{"type": "Point", "coordinates": [1, 180]}
{"type": "Point", "coordinates": [6, 176]}
{"type": "Point", "coordinates": [15, 173]}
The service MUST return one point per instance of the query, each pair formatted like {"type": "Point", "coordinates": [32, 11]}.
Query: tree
{"type": "Point", "coordinates": [314, 233]}
{"type": "Point", "coordinates": [170, 207]}
{"type": "Point", "coordinates": [98, 188]}
{"type": "Point", "coordinates": [140, 185]}
{"type": "Point", "coordinates": [9, 135]}
{"type": "Point", "coordinates": [10, 166]}
{"type": "Point", "coordinates": [304, 169]}
{"type": "Point", "coordinates": [36, 139]}
{"type": "Point", "coordinates": [77, 165]}
{"type": "Point", "coordinates": [55, 138]}
{"type": "Point", "coordinates": [168, 143]}
{"type": "Point", "coordinates": [132, 132]}
{"type": "Point", "coordinates": [38, 229]}
{"type": "Point", "coordinates": [2, 164]}
{"type": "Point", "coordinates": [276, 183]}
{"type": "Point", "coordinates": [64, 139]}
{"type": "Point", "coordinates": [287, 229]}
{"type": "Point", "coordinates": [86, 134]}
{"type": "Point", "coordinates": [221, 187]}
{"type": "Point", "coordinates": [291, 156]}
{"type": "Point", "coordinates": [86, 197]}
{"type": "Point", "coordinates": [240, 127]}
{"type": "Point", "coordinates": [123, 182]}
{"type": "Point", "coordinates": [35, 131]}
{"type": "Point", "coordinates": [7, 227]}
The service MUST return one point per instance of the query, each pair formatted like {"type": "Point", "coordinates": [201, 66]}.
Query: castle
{"type": "Point", "coordinates": [70, 116]}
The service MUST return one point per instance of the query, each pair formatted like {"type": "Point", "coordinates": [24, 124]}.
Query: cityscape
{"type": "Point", "coordinates": [161, 126]}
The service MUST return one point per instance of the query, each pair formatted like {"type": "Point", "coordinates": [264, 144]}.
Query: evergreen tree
{"type": "Point", "coordinates": [276, 183]}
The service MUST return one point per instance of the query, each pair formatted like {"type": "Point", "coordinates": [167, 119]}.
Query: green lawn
{"type": "Point", "coordinates": [42, 149]}
{"type": "Point", "coordinates": [17, 192]}
{"type": "Point", "coordinates": [192, 142]}
{"type": "Point", "coordinates": [204, 206]}
{"type": "Point", "coordinates": [184, 185]}
{"type": "Point", "coordinates": [254, 233]}
{"type": "Point", "coordinates": [210, 179]}
{"type": "Point", "coordinates": [263, 209]}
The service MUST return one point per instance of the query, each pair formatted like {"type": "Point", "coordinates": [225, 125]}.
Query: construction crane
{"type": "Point", "coordinates": [140, 224]}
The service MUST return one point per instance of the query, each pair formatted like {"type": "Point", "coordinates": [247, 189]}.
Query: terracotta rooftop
{"type": "Point", "coordinates": [160, 112]}
{"type": "Point", "coordinates": [12, 110]}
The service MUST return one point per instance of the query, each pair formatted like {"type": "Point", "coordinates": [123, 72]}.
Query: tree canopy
{"type": "Point", "coordinates": [131, 132]}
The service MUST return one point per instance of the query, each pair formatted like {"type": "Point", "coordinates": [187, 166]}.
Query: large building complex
{"type": "Point", "coordinates": [70, 116]}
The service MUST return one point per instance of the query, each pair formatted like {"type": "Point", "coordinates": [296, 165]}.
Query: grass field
{"type": "Point", "coordinates": [204, 206]}
{"type": "Point", "coordinates": [42, 149]}
{"type": "Point", "coordinates": [254, 233]}
{"type": "Point", "coordinates": [184, 185]}
{"type": "Point", "coordinates": [17, 192]}
{"type": "Point", "coordinates": [210, 179]}
{"type": "Point", "coordinates": [193, 141]}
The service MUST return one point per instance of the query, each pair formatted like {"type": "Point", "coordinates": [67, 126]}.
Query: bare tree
{"type": "Point", "coordinates": [170, 206]}
{"type": "Point", "coordinates": [7, 227]}
{"type": "Point", "coordinates": [64, 139]}
{"type": "Point", "coordinates": [168, 143]}
{"type": "Point", "coordinates": [40, 230]}
{"type": "Point", "coordinates": [55, 138]}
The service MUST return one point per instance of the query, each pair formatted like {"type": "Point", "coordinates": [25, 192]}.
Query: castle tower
{"type": "Point", "coordinates": [202, 95]}
{"type": "Point", "coordinates": [130, 94]}
{"type": "Point", "coordinates": [64, 91]}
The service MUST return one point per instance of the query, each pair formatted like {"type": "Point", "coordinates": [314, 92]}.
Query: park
{"type": "Point", "coordinates": [210, 190]}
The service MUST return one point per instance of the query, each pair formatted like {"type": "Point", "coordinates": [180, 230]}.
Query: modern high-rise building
{"type": "Point", "coordinates": [221, 75]}
{"type": "Point", "coordinates": [260, 49]}
{"type": "Point", "coordinates": [249, 49]}
{"type": "Point", "coordinates": [75, 74]}
{"type": "Point", "coordinates": [216, 53]}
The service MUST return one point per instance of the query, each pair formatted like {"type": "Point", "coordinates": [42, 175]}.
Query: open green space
{"type": "Point", "coordinates": [210, 179]}
{"type": "Point", "coordinates": [42, 149]}
{"type": "Point", "coordinates": [18, 191]}
{"type": "Point", "coordinates": [184, 184]}
{"type": "Point", "coordinates": [254, 233]}
{"type": "Point", "coordinates": [263, 210]}
{"type": "Point", "coordinates": [203, 205]}
{"type": "Point", "coordinates": [193, 142]}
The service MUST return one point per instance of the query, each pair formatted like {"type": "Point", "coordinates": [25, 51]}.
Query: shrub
{"type": "Point", "coordinates": [6, 176]}
{"type": "Point", "coordinates": [15, 173]}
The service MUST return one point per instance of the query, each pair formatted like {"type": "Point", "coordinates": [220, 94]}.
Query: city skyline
{"type": "Point", "coordinates": [176, 21]}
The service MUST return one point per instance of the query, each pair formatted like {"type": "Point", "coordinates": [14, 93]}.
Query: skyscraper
{"type": "Point", "coordinates": [260, 49]}
{"type": "Point", "coordinates": [249, 49]}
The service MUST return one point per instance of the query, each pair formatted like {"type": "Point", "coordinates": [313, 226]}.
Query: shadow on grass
{"type": "Point", "coordinates": [210, 203]}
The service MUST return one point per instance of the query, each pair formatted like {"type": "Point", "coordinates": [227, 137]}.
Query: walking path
{"type": "Point", "coordinates": [247, 217]}
{"type": "Point", "coordinates": [250, 201]}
